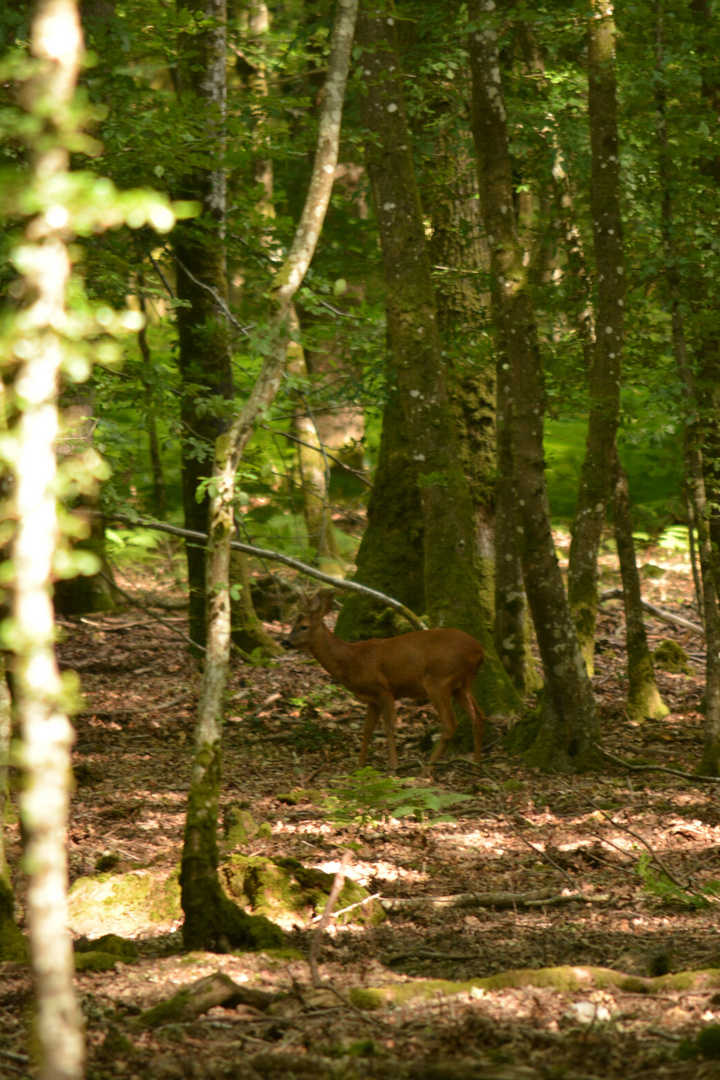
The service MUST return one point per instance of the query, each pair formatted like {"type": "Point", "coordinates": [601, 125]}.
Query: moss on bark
{"type": "Point", "coordinates": [246, 629]}
{"type": "Point", "coordinates": [390, 557]}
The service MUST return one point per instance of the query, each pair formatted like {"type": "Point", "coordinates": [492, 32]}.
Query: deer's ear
{"type": "Point", "coordinates": [318, 603]}
{"type": "Point", "coordinates": [321, 602]}
{"type": "Point", "coordinates": [327, 598]}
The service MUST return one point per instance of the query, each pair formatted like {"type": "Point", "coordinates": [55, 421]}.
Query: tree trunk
{"type": "Point", "coordinates": [511, 630]}
{"type": "Point", "coordinates": [458, 253]}
{"type": "Point", "coordinates": [390, 557]}
{"type": "Point", "coordinates": [203, 331]}
{"type": "Point", "coordinates": [159, 494]}
{"type": "Point", "coordinates": [595, 474]}
{"type": "Point", "coordinates": [710, 761]}
{"type": "Point", "coordinates": [12, 941]}
{"type": "Point", "coordinates": [643, 698]}
{"type": "Point", "coordinates": [451, 585]}
{"type": "Point", "coordinates": [568, 724]}
{"type": "Point", "coordinates": [210, 920]}
{"type": "Point", "coordinates": [312, 463]}
{"type": "Point", "coordinates": [38, 351]}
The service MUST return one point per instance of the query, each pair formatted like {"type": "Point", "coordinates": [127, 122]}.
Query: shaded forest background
{"type": "Point", "coordinates": [460, 350]}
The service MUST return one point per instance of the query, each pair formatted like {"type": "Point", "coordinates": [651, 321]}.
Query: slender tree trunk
{"type": "Point", "coordinates": [159, 499]}
{"type": "Point", "coordinates": [451, 586]}
{"type": "Point", "coordinates": [38, 351]}
{"type": "Point", "coordinates": [643, 700]}
{"type": "Point", "coordinates": [203, 331]}
{"type": "Point", "coordinates": [312, 462]}
{"type": "Point", "coordinates": [595, 475]}
{"type": "Point", "coordinates": [12, 942]}
{"type": "Point", "coordinates": [568, 724]}
{"type": "Point", "coordinates": [210, 919]}
{"type": "Point", "coordinates": [511, 630]}
{"type": "Point", "coordinates": [710, 762]}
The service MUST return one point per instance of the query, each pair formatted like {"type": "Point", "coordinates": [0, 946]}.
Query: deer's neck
{"type": "Point", "coordinates": [334, 654]}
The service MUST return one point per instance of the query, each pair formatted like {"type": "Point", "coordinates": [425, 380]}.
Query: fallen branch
{"type": "Point", "coordinates": [498, 900]}
{"type": "Point", "coordinates": [664, 616]}
{"type": "Point", "coordinates": [636, 836]}
{"type": "Point", "coordinates": [694, 777]}
{"type": "Point", "coordinates": [276, 556]}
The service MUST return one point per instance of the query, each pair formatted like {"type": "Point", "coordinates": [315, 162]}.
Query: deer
{"type": "Point", "coordinates": [435, 665]}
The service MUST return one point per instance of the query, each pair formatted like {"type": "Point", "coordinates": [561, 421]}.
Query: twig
{"type": "Point", "coordinates": [218, 299]}
{"type": "Point", "coordinates": [543, 855]}
{"type": "Point", "coordinates": [139, 604]}
{"type": "Point", "coordinates": [658, 768]}
{"type": "Point", "coordinates": [665, 616]}
{"type": "Point", "coordinates": [350, 907]}
{"type": "Point", "coordinates": [336, 311]}
{"type": "Point", "coordinates": [655, 857]}
{"type": "Point", "coordinates": [162, 277]}
{"type": "Point", "coordinates": [338, 461]}
{"type": "Point", "coordinates": [325, 918]}
{"type": "Point", "coordinates": [22, 1059]}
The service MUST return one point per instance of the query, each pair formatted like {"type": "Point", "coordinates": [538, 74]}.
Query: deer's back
{"type": "Point", "coordinates": [402, 664]}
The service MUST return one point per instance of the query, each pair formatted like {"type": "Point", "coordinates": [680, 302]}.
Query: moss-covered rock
{"type": "Point", "coordinates": [123, 902]}
{"type": "Point", "coordinates": [669, 656]}
{"type": "Point", "coordinates": [95, 961]}
{"type": "Point", "coordinates": [240, 827]}
{"type": "Point", "coordinates": [289, 893]}
{"type": "Point", "coordinates": [119, 947]}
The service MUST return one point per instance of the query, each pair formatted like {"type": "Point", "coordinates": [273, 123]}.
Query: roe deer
{"type": "Point", "coordinates": [430, 665]}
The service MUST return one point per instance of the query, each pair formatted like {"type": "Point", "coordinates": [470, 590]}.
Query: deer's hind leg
{"type": "Point", "coordinates": [466, 699]}
{"type": "Point", "coordinates": [439, 695]}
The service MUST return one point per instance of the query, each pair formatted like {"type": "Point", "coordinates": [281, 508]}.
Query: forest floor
{"type": "Point", "coordinates": [596, 844]}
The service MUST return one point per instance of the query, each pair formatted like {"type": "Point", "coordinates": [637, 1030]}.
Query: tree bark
{"type": "Point", "coordinates": [38, 351]}
{"type": "Point", "coordinates": [710, 762]}
{"type": "Point", "coordinates": [568, 724]}
{"type": "Point", "coordinates": [210, 920]}
{"type": "Point", "coordinates": [451, 586]}
{"type": "Point", "coordinates": [643, 698]}
{"type": "Point", "coordinates": [595, 475]}
{"type": "Point", "coordinates": [390, 557]}
{"type": "Point", "coordinates": [204, 337]}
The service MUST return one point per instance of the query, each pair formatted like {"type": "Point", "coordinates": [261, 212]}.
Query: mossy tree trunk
{"type": "Point", "coordinates": [246, 629]}
{"type": "Point", "coordinates": [595, 474]}
{"type": "Point", "coordinates": [459, 256]}
{"type": "Point", "coordinates": [211, 921]}
{"type": "Point", "coordinates": [452, 595]}
{"type": "Point", "coordinates": [12, 942]}
{"type": "Point", "coordinates": [643, 699]}
{"type": "Point", "coordinates": [568, 724]}
{"type": "Point", "coordinates": [710, 762]}
{"type": "Point", "coordinates": [204, 336]}
{"type": "Point", "coordinates": [390, 557]}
